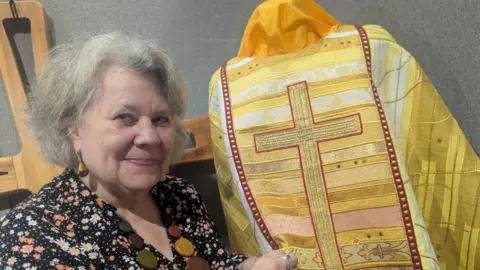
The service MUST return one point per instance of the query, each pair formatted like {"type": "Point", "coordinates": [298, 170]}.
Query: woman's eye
{"type": "Point", "coordinates": [160, 121]}
{"type": "Point", "coordinates": [125, 118]}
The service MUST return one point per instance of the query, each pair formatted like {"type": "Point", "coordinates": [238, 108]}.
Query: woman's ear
{"type": "Point", "coordinates": [74, 135]}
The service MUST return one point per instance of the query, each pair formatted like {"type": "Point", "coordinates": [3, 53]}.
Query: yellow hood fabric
{"type": "Point", "coordinates": [284, 26]}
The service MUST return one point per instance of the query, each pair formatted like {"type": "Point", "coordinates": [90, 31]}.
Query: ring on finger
{"type": "Point", "coordinates": [286, 259]}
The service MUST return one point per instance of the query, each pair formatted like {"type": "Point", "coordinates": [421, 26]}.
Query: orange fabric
{"type": "Point", "coordinates": [284, 26]}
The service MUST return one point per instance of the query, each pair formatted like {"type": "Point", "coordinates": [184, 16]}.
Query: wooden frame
{"type": "Point", "coordinates": [197, 160]}
{"type": "Point", "coordinates": [26, 170]}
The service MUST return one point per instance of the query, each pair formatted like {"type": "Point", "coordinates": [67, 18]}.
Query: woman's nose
{"type": "Point", "coordinates": [147, 133]}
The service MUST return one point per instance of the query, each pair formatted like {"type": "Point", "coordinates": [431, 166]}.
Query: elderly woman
{"type": "Point", "coordinates": [110, 110]}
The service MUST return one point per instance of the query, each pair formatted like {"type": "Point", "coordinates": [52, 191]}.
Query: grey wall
{"type": "Point", "coordinates": [200, 35]}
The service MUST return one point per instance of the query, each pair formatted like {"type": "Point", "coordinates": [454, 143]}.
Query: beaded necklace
{"type": "Point", "coordinates": [183, 246]}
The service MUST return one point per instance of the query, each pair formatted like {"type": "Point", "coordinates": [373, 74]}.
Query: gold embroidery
{"type": "Point", "coordinates": [367, 112]}
{"type": "Point", "coordinates": [324, 45]}
{"type": "Point", "coordinates": [339, 80]}
{"type": "Point", "coordinates": [275, 176]}
{"type": "Point", "coordinates": [350, 157]}
{"type": "Point", "coordinates": [317, 89]}
{"type": "Point", "coordinates": [300, 212]}
{"type": "Point", "coordinates": [356, 237]}
{"type": "Point", "coordinates": [354, 163]}
{"type": "Point", "coordinates": [271, 167]}
{"type": "Point", "coordinates": [277, 186]}
{"type": "Point", "coordinates": [367, 203]}
{"type": "Point", "coordinates": [306, 132]}
{"type": "Point", "coordinates": [381, 265]}
{"type": "Point", "coordinates": [362, 193]}
{"type": "Point", "coordinates": [355, 152]}
{"type": "Point", "coordinates": [259, 87]}
{"type": "Point", "coordinates": [297, 200]}
{"type": "Point", "coordinates": [384, 252]}
{"type": "Point", "coordinates": [372, 132]}
{"type": "Point", "coordinates": [299, 241]}
{"type": "Point", "coordinates": [305, 135]}
{"type": "Point", "coordinates": [357, 175]}
{"type": "Point", "coordinates": [360, 185]}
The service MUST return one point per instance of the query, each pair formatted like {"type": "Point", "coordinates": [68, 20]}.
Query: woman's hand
{"type": "Point", "coordinates": [271, 261]}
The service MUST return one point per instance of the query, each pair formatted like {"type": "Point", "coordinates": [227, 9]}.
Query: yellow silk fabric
{"type": "Point", "coordinates": [352, 201]}
{"type": "Point", "coordinates": [441, 163]}
{"type": "Point", "coordinates": [438, 165]}
{"type": "Point", "coordinates": [273, 28]}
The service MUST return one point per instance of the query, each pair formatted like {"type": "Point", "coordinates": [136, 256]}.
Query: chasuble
{"type": "Point", "coordinates": [331, 143]}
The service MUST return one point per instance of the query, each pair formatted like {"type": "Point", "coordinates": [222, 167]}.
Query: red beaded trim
{"type": "Point", "coordinates": [238, 163]}
{"type": "Point", "coordinates": [407, 218]}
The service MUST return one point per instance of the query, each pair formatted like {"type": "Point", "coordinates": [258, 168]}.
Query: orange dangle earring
{"type": "Point", "coordinates": [82, 170]}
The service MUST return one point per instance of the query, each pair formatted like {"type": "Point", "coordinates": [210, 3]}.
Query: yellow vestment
{"type": "Point", "coordinates": [340, 150]}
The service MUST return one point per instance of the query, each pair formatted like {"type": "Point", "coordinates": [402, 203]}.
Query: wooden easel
{"type": "Point", "coordinates": [26, 170]}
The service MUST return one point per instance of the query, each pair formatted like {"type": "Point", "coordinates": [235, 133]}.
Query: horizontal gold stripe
{"type": "Point", "coordinates": [317, 89]}
{"type": "Point", "coordinates": [274, 176]}
{"type": "Point", "coordinates": [368, 112]}
{"type": "Point", "coordinates": [272, 100]}
{"type": "Point", "coordinates": [333, 161]}
{"type": "Point", "coordinates": [360, 185]}
{"type": "Point", "coordinates": [355, 163]}
{"type": "Point", "coordinates": [354, 152]}
{"type": "Point", "coordinates": [245, 135]}
{"type": "Point", "coordinates": [249, 155]}
{"type": "Point", "coordinates": [381, 265]}
{"type": "Point", "coordinates": [362, 193]}
{"type": "Point", "coordinates": [371, 235]}
{"type": "Point", "coordinates": [294, 164]}
{"type": "Point", "coordinates": [355, 78]}
{"type": "Point", "coordinates": [277, 187]}
{"type": "Point", "coordinates": [296, 201]}
{"type": "Point", "coordinates": [320, 90]}
{"type": "Point", "coordinates": [298, 241]}
{"type": "Point", "coordinates": [381, 217]}
{"type": "Point", "coordinates": [300, 212]}
{"type": "Point", "coordinates": [367, 203]}
{"type": "Point", "coordinates": [271, 167]}
{"type": "Point", "coordinates": [318, 57]}
{"type": "Point", "coordinates": [358, 175]}
{"type": "Point", "coordinates": [287, 224]}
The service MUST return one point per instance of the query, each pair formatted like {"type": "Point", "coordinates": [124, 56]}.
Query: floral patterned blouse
{"type": "Point", "coordinates": [66, 226]}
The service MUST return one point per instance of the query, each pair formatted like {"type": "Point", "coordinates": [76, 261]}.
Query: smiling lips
{"type": "Point", "coordinates": [143, 162]}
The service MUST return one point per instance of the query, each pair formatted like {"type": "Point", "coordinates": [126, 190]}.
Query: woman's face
{"type": "Point", "coordinates": [127, 137]}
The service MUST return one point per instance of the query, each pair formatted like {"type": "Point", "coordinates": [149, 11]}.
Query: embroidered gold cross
{"type": "Point", "coordinates": [305, 136]}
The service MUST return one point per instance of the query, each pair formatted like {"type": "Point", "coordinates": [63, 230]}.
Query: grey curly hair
{"type": "Point", "coordinates": [68, 85]}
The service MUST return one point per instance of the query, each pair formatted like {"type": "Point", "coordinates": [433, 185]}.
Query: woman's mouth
{"type": "Point", "coordinates": [142, 162]}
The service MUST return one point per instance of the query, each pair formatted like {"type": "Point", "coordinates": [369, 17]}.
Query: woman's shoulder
{"type": "Point", "coordinates": [26, 225]}
{"type": "Point", "coordinates": [28, 214]}
{"type": "Point", "coordinates": [177, 184]}
{"type": "Point", "coordinates": [181, 188]}
{"type": "Point", "coordinates": [47, 194]}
